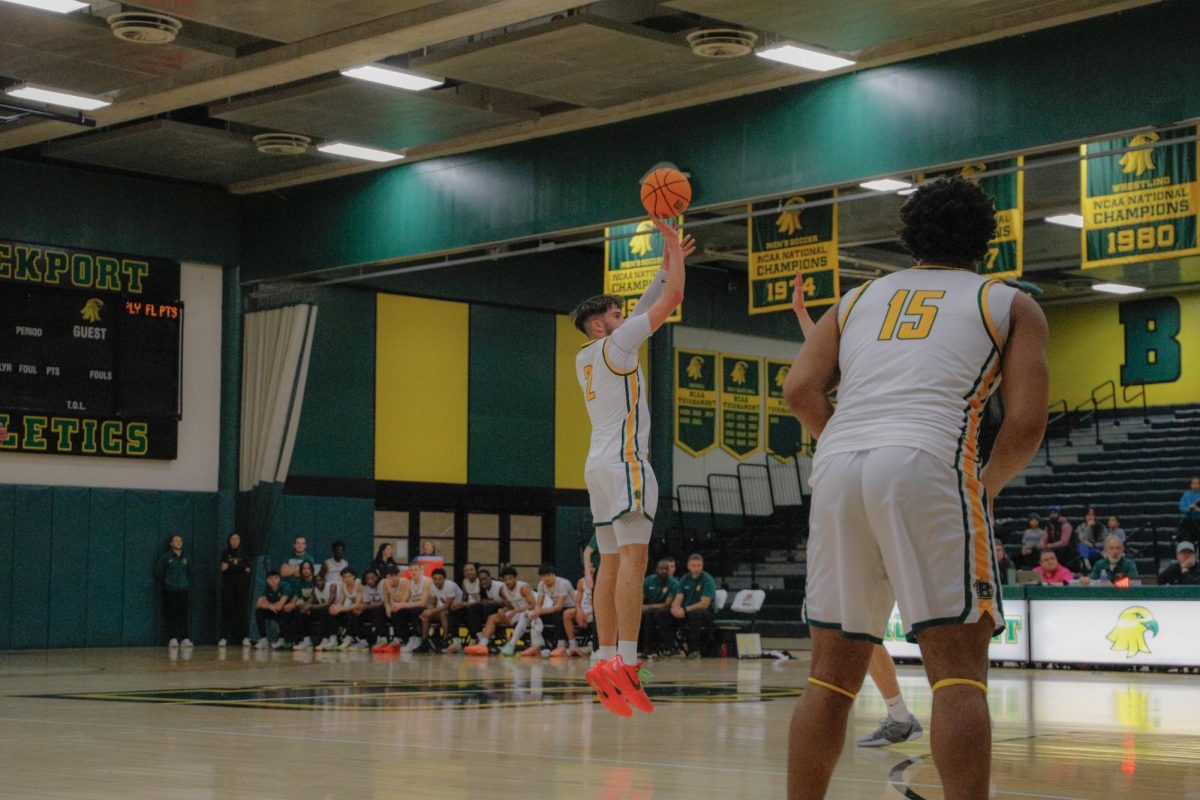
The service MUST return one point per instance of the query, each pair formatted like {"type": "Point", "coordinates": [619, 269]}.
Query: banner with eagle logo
{"type": "Point", "coordinates": [741, 405]}
{"type": "Point", "coordinates": [783, 429]}
{"type": "Point", "coordinates": [1004, 182]}
{"type": "Point", "coordinates": [1142, 204]}
{"type": "Point", "coordinates": [801, 238]}
{"type": "Point", "coordinates": [632, 254]}
{"type": "Point", "coordinates": [695, 401]}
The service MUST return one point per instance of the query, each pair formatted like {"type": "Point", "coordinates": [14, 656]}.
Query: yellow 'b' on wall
{"type": "Point", "coordinates": [421, 352]}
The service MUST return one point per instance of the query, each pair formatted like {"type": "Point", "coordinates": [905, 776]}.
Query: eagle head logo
{"type": "Point", "coordinates": [641, 244]}
{"type": "Point", "coordinates": [971, 170]}
{"type": "Point", "coordinates": [695, 368]}
{"type": "Point", "coordinates": [1141, 160]}
{"type": "Point", "coordinates": [788, 221]}
{"type": "Point", "coordinates": [738, 375]}
{"type": "Point", "coordinates": [91, 310]}
{"type": "Point", "coordinates": [1129, 634]}
{"type": "Point", "coordinates": [781, 377]}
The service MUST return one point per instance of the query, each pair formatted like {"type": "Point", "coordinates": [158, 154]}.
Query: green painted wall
{"type": "Point", "coordinates": [322, 521]}
{"type": "Point", "coordinates": [77, 565]}
{"type": "Point", "coordinates": [952, 106]}
{"type": "Point", "coordinates": [510, 417]}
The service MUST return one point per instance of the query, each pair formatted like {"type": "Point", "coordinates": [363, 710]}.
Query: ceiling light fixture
{"type": "Point", "coordinates": [1069, 220]}
{"type": "Point", "coordinates": [362, 153]}
{"type": "Point", "coordinates": [55, 97]}
{"type": "Point", "coordinates": [393, 76]}
{"type": "Point", "coordinates": [804, 58]}
{"type": "Point", "coordinates": [1117, 288]}
{"type": "Point", "coordinates": [57, 6]}
{"type": "Point", "coordinates": [885, 185]}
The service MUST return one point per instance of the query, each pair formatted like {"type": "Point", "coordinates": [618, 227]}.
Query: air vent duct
{"type": "Point", "coordinates": [144, 27]}
{"type": "Point", "coordinates": [282, 144]}
{"type": "Point", "coordinates": [722, 42]}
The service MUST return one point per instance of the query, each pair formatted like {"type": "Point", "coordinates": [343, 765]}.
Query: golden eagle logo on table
{"type": "Point", "coordinates": [1142, 160]}
{"type": "Point", "coordinates": [641, 244]}
{"type": "Point", "coordinates": [1129, 635]}
{"type": "Point", "coordinates": [695, 368]}
{"type": "Point", "coordinates": [738, 373]}
{"type": "Point", "coordinates": [91, 310]}
{"type": "Point", "coordinates": [788, 222]}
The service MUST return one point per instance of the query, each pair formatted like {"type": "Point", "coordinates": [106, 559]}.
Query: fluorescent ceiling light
{"type": "Point", "coordinates": [54, 97]}
{"type": "Point", "coordinates": [1069, 220]}
{"type": "Point", "coordinates": [1117, 288]}
{"type": "Point", "coordinates": [803, 57]}
{"type": "Point", "coordinates": [885, 185]}
{"type": "Point", "coordinates": [907, 192]}
{"type": "Point", "coordinates": [58, 6]}
{"type": "Point", "coordinates": [356, 151]}
{"type": "Point", "coordinates": [393, 76]}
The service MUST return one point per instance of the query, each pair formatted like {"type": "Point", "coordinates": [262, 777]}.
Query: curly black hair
{"type": "Point", "coordinates": [948, 221]}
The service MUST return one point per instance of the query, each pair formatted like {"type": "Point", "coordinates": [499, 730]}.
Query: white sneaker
{"type": "Point", "coordinates": [186, 643]}
{"type": "Point", "coordinates": [453, 647]}
{"type": "Point", "coordinates": [359, 644]}
{"type": "Point", "coordinates": [263, 644]}
{"type": "Point", "coordinates": [221, 643]}
{"type": "Point", "coordinates": [173, 643]}
{"type": "Point", "coordinates": [413, 643]}
{"type": "Point", "coordinates": [279, 644]}
{"type": "Point", "coordinates": [304, 644]}
{"type": "Point", "coordinates": [246, 642]}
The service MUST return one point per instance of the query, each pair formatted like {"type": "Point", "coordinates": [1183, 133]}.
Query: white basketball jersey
{"type": "Point", "coordinates": [919, 357]}
{"type": "Point", "coordinates": [516, 597]}
{"type": "Point", "coordinates": [617, 406]}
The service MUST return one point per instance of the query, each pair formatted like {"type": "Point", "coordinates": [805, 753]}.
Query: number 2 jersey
{"type": "Point", "coordinates": [614, 389]}
{"type": "Point", "coordinates": [919, 356]}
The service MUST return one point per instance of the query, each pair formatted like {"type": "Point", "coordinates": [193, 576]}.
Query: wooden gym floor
{"type": "Point", "coordinates": [133, 724]}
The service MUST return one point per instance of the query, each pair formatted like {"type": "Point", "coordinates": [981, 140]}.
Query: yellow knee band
{"type": "Point", "coordinates": [831, 687]}
{"type": "Point", "coordinates": [944, 682]}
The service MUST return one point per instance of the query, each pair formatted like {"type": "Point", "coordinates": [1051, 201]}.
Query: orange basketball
{"type": "Point", "coordinates": [666, 192]}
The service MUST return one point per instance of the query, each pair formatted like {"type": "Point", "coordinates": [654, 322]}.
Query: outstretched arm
{"type": "Point", "coordinates": [655, 290]}
{"type": "Point", "coordinates": [621, 347]}
{"type": "Point", "coordinates": [814, 374]}
{"type": "Point", "coordinates": [802, 315]}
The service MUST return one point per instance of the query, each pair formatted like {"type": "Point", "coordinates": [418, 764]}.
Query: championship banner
{"type": "Point", "coordinates": [1006, 253]}
{"type": "Point", "coordinates": [741, 404]}
{"type": "Point", "coordinates": [631, 261]}
{"type": "Point", "coordinates": [695, 401]}
{"type": "Point", "coordinates": [796, 239]}
{"type": "Point", "coordinates": [1141, 205]}
{"type": "Point", "coordinates": [783, 429]}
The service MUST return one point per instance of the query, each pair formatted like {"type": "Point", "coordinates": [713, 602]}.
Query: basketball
{"type": "Point", "coordinates": [666, 192]}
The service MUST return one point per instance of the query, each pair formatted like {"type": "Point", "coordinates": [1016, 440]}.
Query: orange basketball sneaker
{"type": "Point", "coordinates": [606, 693]}
{"type": "Point", "coordinates": [627, 680]}
{"type": "Point", "coordinates": [476, 650]}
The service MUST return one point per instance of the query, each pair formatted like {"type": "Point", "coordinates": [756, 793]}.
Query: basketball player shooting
{"type": "Point", "coordinates": [621, 485]}
{"type": "Point", "coordinates": [901, 510]}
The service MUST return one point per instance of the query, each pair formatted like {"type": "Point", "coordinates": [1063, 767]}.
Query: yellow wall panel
{"type": "Point", "coordinates": [1087, 347]}
{"type": "Point", "coordinates": [421, 373]}
{"type": "Point", "coordinates": [572, 430]}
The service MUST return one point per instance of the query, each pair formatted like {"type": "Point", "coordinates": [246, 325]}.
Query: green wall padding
{"type": "Point", "coordinates": [511, 397]}
{"type": "Point", "coordinates": [144, 541]}
{"type": "Point", "coordinates": [69, 571]}
{"type": "Point", "coordinates": [106, 567]}
{"type": "Point", "coordinates": [208, 541]}
{"type": "Point", "coordinates": [31, 567]}
{"type": "Point", "coordinates": [571, 524]}
{"type": "Point", "coordinates": [8, 521]}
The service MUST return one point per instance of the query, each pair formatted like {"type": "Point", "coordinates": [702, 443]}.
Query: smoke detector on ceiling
{"type": "Point", "coordinates": [144, 27]}
{"type": "Point", "coordinates": [281, 144]}
{"type": "Point", "coordinates": [722, 42]}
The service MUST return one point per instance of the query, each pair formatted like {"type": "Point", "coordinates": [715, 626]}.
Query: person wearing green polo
{"type": "Point", "coordinates": [658, 591]}
{"type": "Point", "coordinates": [289, 571]}
{"type": "Point", "coordinates": [691, 609]}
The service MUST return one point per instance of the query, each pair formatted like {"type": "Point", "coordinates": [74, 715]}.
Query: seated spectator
{"type": "Point", "coordinates": [346, 613]}
{"type": "Point", "coordinates": [383, 559]}
{"type": "Point", "coordinates": [314, 621]}
{"type": "Point", "coordinates": [269, 606]}
{"type": "Point", "coordinates": [517, 599]}
{"type": "Point", "coordinates": [658, 592]}
{"type": "Point", "coordinates": [689, 610]}
{"type": "Point", "coordinates": [1114, 565]}
{"type": "Point", "coordinates": [1051, 572]}
{"type": "Point", "coordinates": [387, 619]}
{"type": "Point", "coordinates": [585, 616]}
{"type": "Point", "coordinates": [334, 565]}
{"type": "Point", "coordinates": [289, 570]}
{"type": "Point", "coordinates": [443, 596]}
{"type": "Point", "coordinates": [372, 606]}
{"type": "Point", "coordinates": [481, 599]}
{"type": "Point", "coordinates": [551, 616]}
{"type": "Point", "coordinates": [1091, 536]}
{"type": "Point", "coordinates": [415, 590]}
{"type": "Point", "coordinates": [1031, 539]}
{"type": "Point", "coordinates": [672, 568]}
{"type": "Point", "coordinates": [1114, 529]}
{"type": "Point", "coordinates": [1004, 564]}
{"type": "Point", "coordinates": [1060, 537]}
{"type": "Point", "coordinates": [1189, 508]}
{"type": "Point", "coordinates": [1184, 572]}
{"type": "Point", "coordinates": [429, 559]}
{"type": "Point", "coordinates": [300, 596]}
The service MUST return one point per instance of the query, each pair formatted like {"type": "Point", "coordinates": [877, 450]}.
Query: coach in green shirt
{"type": "Point", "coordinates": [691, 609]}
{"type": "Point", "coordinates": [658, 591]}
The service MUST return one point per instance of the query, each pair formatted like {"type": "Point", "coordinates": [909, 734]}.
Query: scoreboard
{"type": "Point", "coordinates": [90, 353]}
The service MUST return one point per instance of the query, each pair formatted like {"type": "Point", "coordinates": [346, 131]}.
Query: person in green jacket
{"type": "Point", "coordinates": [1114, 565]}
{"type": "Point", "coordinates": [172, 571]}
{"type": "Point", "coordinates": [658, 591]}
